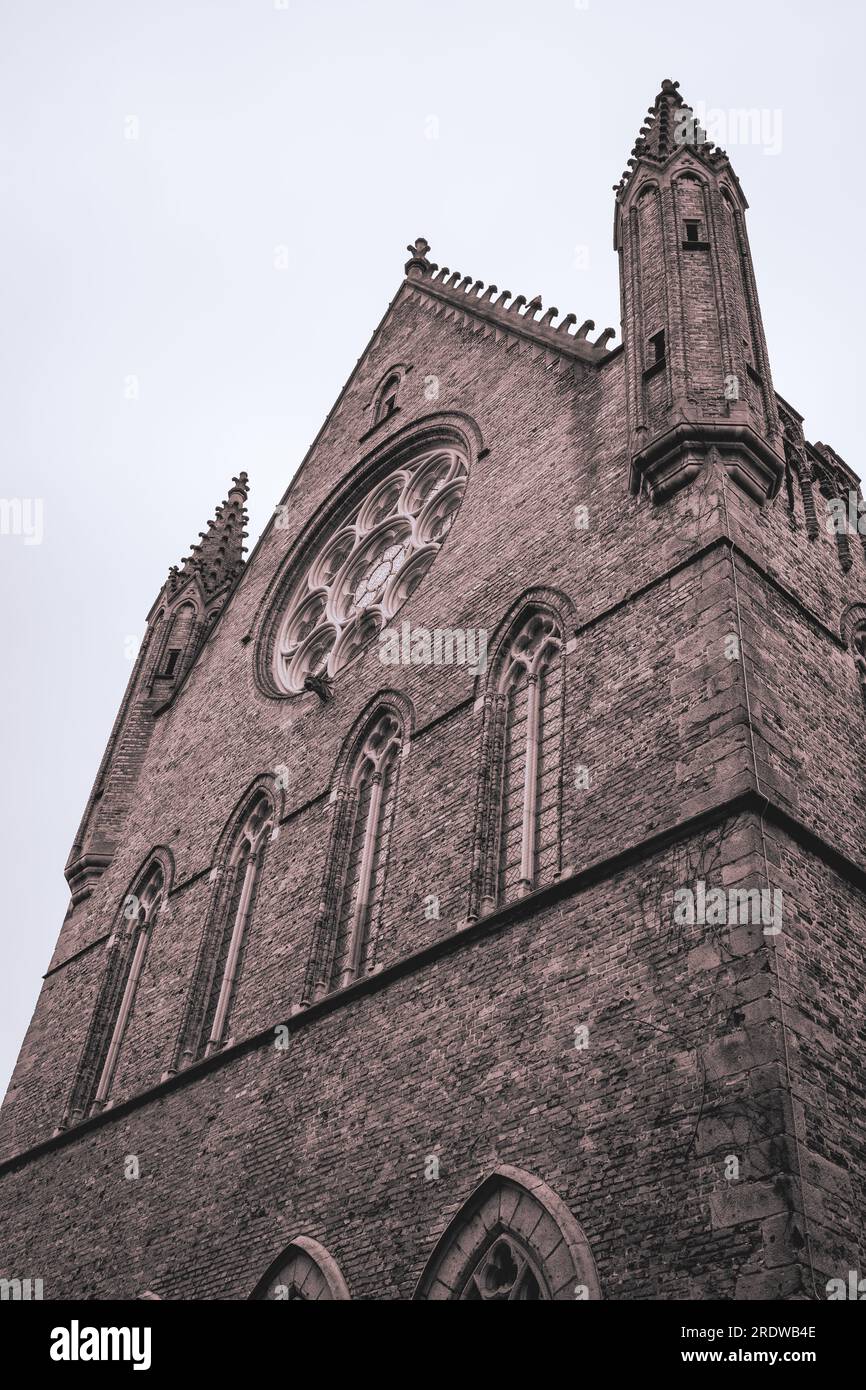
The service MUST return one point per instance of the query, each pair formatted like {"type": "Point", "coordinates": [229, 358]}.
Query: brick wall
{"type": "Point", "coordinates": [470, 1054]}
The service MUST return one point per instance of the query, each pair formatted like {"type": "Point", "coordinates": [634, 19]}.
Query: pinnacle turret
{"type": "Point", "coordinates": [670, 123]}
{"type": "Point", "coordinates": [698, 374]}
{"type": "Point", "coordinates": [218, 557]}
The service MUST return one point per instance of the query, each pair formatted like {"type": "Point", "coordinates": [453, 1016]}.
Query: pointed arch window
{"type": "Point", "coordinates": [175, 643]}
{"type": "Point", "coordinates": [220, 959]}
{"type": "Point", "coordinates": [386, 400]}
{"type": "Point", "coordinates": [513, 1241]}
{"type": "Point", "coordinates": [304, 1273]}
{"type": "Point", "coordinates": [521, 786]}
{"type": "Point", "coordinates": [127, 949]}
{"type": "Point", "coordinates": [358, 861]}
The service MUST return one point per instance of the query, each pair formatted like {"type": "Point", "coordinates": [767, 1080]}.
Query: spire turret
{"type": "Point", "coordinates": [178, 625]}
{"type": "Point", "coordinates": [218, 557]}
{"type": "Point", "coordinates": [697, 370]}
{"type": "Point", "coordinates": [670, 125]}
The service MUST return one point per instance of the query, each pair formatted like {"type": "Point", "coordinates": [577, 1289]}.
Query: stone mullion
{"type": "Point", "coordinates": [529, 834]}
{"type": "Point", "coordinates": [127, 988]}
{"type": "Point", "coordinates": [320, 961]}
{"type": "Point", "coordinates": [491, 847]}
{"type": "Point", "coordinates": [391, 789]}
{"type": "Point", "coordinates": [99, 1032]}
{"type": "Point", "coordinates": [238, 929]}
{"type": "Point", "coordinates": [560, 771]}
{"type": "Point", "coordinates": [482, 799]}
{"type": "Point", "coordinates": [189, 1040]}
{"type": "Point", "coordinates": [362, 909]}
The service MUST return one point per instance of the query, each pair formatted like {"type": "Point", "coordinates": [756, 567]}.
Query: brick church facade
{"type": "Point", "coordinates": [471, 901]}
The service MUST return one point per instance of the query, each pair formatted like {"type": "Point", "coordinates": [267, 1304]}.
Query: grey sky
{"type": "Point", "coordinates": [323, 137]}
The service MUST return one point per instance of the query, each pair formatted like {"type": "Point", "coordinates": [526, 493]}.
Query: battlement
{"type": "Point", "coordinates": [519, 317]}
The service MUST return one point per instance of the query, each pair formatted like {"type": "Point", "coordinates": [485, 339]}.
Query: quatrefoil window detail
{"type": "Point", "coordinates": [504, 1274]}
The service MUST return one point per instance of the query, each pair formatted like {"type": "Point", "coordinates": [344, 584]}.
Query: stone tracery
{"type": "Point", "coordinates": [368, 567]}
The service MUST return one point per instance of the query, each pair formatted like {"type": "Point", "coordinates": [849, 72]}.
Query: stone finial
{"type": "Point", "coordinates": [418, 263]}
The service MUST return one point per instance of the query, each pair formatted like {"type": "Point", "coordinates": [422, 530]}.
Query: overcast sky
{"type": "Point", "coordinates": [205, 212]}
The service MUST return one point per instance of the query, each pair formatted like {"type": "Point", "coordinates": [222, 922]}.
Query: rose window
{"type": "Point", "coordinates": [367, 567]}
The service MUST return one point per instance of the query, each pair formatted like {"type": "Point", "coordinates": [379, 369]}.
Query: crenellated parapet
{"type": "Point", "coordinates": [512, 316]}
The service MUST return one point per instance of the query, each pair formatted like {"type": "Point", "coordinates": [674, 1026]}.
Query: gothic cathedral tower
{"type": "Point", "coordinates": [471, 902]}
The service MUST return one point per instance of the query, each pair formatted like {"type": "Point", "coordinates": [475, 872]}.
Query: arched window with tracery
{"type": "Point", "coordinates": [220, 959]}
{"type": "Point", "coordinates": [304, 1273]}
{"type": "Point", "coordinates": [354, 885]}
{"type": "Point", "coordinates": [127, 948]}
{"type": "Point", "coordinates": [518, 844]}
{"type": "Point", "coordinates": [513, 1241]}
{"type": "Point", "coordinates": [368, 559]}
